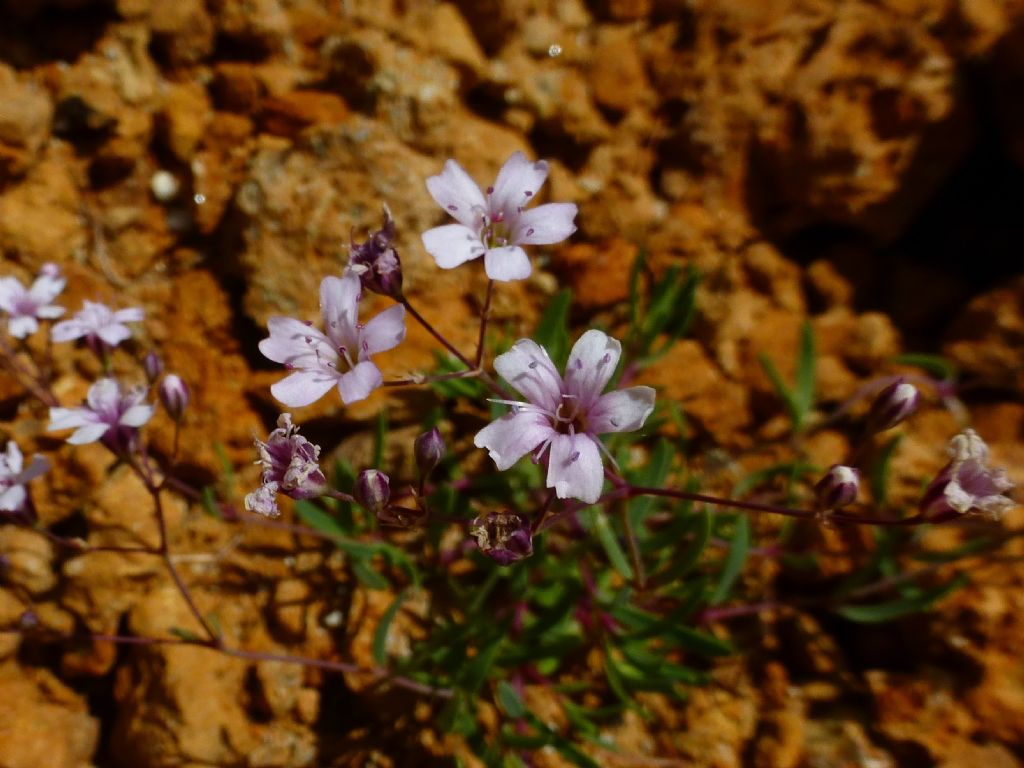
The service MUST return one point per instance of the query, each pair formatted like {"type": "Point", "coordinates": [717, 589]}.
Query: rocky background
{"type": "Point", "coordinates": [857, 163]}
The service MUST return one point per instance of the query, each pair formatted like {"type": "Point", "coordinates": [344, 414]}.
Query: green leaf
{"type": "Point", "coordinates": [380, 438]}
{"type": "Point", "coordinates": [317, 519]}
{"type": "Point", "coordinates": [380, 634]}
{"type": "Point", "coordinates": [803, 390]}
{"type": "Point", "coordinates": [509, 699]}
{"type": "Point", "coordinates": [936, 365]}
{"type": "Point", "coordinates": [368, 577]}
{"type": "Point", "coordinates": [881, 469]}
{"type": "Point", "coordinates": [208, 499]}
{"type": "Point", "coordinates": [552, 330]}
{"type": "Point", "coordinates": [475, 670]}
{"type": "Point", "coordinates": [894, 609]}
{"type": "Point", "coordinates": [738, 549]}
{"type": "Point", "coordinates": [606, 536]}
{"type": "Point", "coordinates": [185, 634]}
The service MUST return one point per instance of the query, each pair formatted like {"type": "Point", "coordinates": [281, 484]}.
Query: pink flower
{"type": "Point", "coordinates": [967, 483]}
{"type": "Point", "coordinates": [495, 226]}
{"type": "Point", "coordinates": [26, 308]}
{"type": "Point", "coordinates": [565, 415]}
{"type": "Point", "coordinates": [14, 476]}
{"type": "Point", "coordinates": [341, 356]}
{"type": "Point", "coordinates": [108, 413]}
{"type": "Point", "coordinates": [98, 322]}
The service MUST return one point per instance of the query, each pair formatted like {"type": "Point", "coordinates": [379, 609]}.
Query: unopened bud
{"type": "Point", "coordinates": [503, 536]}
{"type": "Point", "coordinates": [838, 488]}
{"type": "Point", "coordinates": [174, 395]}
{"type": "Point", "coordinates": [373, 490]}
{"type": "Point", "coordinates": [49, 269]}
{"type": "Point", "coordinates": [894, 404]}
{"type": "Point", "coordinates": [429, 449]}
{"type": "Point", "coordinates": [153, 366]}
{"type": "Point", "coordinates": [376, 261]}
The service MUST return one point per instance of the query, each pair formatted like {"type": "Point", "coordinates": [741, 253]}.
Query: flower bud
{"type": "Point", "coordinates": [174, 395]}
{"type": "Point", "coordinates": [838, 488]}
{"type": "Point", "coordinates": [503, 536]}
{"type": "Point", "coordinates": [49, 269]}
{"type": "Point", "coordinates": [376, 261]}
{"type": "Point", "coordinates": [894, 404]}
{"type": "Point", "coordinates": [153, 366]}
{"type": "Point", "coordinates": [373, 490]}
{"type": "Point", "coordinates": [429, 449]}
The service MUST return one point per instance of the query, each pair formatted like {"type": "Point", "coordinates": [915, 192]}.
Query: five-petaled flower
{"type": "Point", "coordinates": [26, 307]}
{"type": "Point", "coordinates": [97, 323]}
{"type": "Point", "coordinates": [565, 415]}
{"type": "Point", "coordinates": [14, 475]}
{"type": "Point", "coordinates": [341, 356]}
{"type": "Point", "coordinates": [290, 466]}
{"type": "Point", "coordinates": [967, 483]}
{"type": "Point", "coordinates": [108, 413]}
{"type": "Point", "coordinates": [497, 225]}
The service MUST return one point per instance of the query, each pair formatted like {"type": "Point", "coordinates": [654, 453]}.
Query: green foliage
{"type": "Point", "coordinates": [798, 399]}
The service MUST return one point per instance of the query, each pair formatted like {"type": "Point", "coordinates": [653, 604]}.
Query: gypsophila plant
{"type": "Point", "coordinates": [559, 522]}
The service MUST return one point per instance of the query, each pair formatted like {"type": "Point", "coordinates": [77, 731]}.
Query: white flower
{"type": "Point", "coordinates": [565, 415]}
{"type": "Point", "coordinates": [108, 413]}
{"type": "Point", "coordinates": [967, 483]}
{"type": "Point", "coordinates": [25, 308]}
{"type": "Point", "coordinates": [497, 225]}
{"type": "Point", "coordinates": [96, 321]}
{"type": "Point", "coordinates": [14, 476]}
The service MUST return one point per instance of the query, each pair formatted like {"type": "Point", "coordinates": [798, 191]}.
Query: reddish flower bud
{"type": "Point", "coordinates": [174, 395]}
{"type": "Point", "coordinates": [894, 404]}
{"type": "Point", "coordinates": [429, 449]}
{"type": "Point", "coordinates": [153, 366]}
{"type": "Point", "coordinates": [838, 488]}
{"type": "Point", "coordinates": [373, 490]}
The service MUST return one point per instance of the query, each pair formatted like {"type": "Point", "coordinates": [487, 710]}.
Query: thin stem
{"type": "Point", "coordinates": [639, 577]}
{"type": "Point", "coordinates": [423, 379]}
{"type": "Point", "coordinates": [485, 314]}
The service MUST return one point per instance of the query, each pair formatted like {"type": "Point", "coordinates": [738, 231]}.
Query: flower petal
{"type": "Point", "coordinates": [304, 387]}
{"type": "Point", "coordinates": [591, 364]}
{"type": "Point", "coordinates": [113, 334]}
{"type": "Point", "coordinates": [50, 311]}
{"type": "Point", "coordinates": [88, 434]}
{"type": "Point", "coordinates": [517, 184]}
{"type": "Point", "coordinates": [11, 290]}
{"type": "Point", "coordinates": [358, 383]}
{"type": "Point", "coordinates": [508, 263]}
{"type": "Point", "coordinates": [22, 326]}
{"type": "Point", "coordinates": [293, 342]}
{"type": "Point", "coordinates": [339, 304]}
{"type": "Point", "coordinates": [36, 467]}
{"type": "Point", "coordinates": [45, 288]}
{"type": "Point", "coordinates": [527, 367]}
{"type": "Point", "coordinates": [383, 332]}
{"type": "Point", "coordinates": [70, 418]}
{"type": "Point", "coordinates": [513, 436]}
{"type": "Point", "coordinates": [545, 224]}
{"type": "Point", "coordinates": [458, 194]}
{"type": "Point", "coordinates": [13, 499]}
{"type": "Point", "coordinates": [452, 245]}
{"type": "Point", "coordinates": [68, 330]}
{"type": "Point", "coordinates": [622, 410]}
{"type": "Point", "coordinates": [104, 396]}
{"type": "Point", "coordinates": [136, 416]}
{"type": "Point", "coordinates": [575, 470]}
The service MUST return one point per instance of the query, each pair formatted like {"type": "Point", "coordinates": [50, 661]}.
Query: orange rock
{"type": "Point", "coordinates": [598, 273]}
{"type": "Point", "coordinates": [289, 113]}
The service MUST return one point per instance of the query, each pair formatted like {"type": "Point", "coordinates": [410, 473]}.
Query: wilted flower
{"type": "Point", "coordinates": [894, 404]}
{"type": "Point", "coordinates": [25, 308]}
{"type": "Point", "coordinates": [97, 323]}
{"type": "Point", "coordinates": [967, 483]}
{"type": "Point", "coordinates": [341, 356]}
{"type": "Point", "coordinates": [566, 414]}
{"type": "Point", "coordinates": [290, 466]}
{"type": "Point", "coordinates": [838, 487]}
{"type": "Point", "coordinates": [14, 476]}
{"type": "Point", "coordinates": [376, 261]}
{"type": "Point", "coordinates": [108, 413]}
{"type": "Point", "coordinates": [497, 225]}
{"type": "Point", "coordinates": [174, 395]}
{"type": "Point", "coordinates": [503, 536]}
{"type": "Point", "coordinates": [429, 450]}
